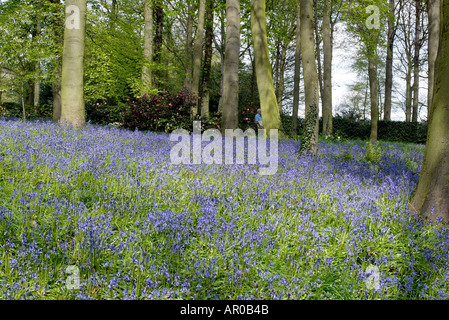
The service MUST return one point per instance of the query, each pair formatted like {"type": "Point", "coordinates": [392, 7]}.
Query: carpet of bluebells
{"type": "Point", "coordinates": [109, 202]}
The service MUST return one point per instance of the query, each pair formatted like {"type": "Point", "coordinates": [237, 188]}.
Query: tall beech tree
{"type": "Point", "coordinates": [392, 26]}
{"type": "Point", "coordinates": [405, 39]}
{"type": "Point", "coordinates": [37, 67]}
{"type": "Point", "coordinates": [311, 86]}
{"type": "Point", "coordinates": [57, 10]}
{"type": "Point", "coordinates": [268, 102]}
{"type": "Point", "coordinates": [157, 42]}
{"type": "Point", "coordinates": [147, 79]}
{"type": "Point", "coordinates": [433, 12]}
{"type": "Point", "coordinates": [72, 84]}
{"type": "Point", "coordinates": [207, 58]}
{"type": "Point", "coordinates": [198, 53]}
{"type": "Point", "coordinates": [327, 65]}
{"type": "Point", "coordinates": [297, 76]}
{"type": "Point", "coordinates": [365, 22]}
{"type": "Point", "coordinates": [416, 61]}
{"type": "Point", "coordinates": [432, 195]}
{"type": "Point", "coordinates": [231, 66]}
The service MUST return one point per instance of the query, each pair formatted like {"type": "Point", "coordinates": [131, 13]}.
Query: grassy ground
{"type": "Point", "coordinates": [109, 202]}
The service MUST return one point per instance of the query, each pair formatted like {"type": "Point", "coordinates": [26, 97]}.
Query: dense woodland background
{"type": "Point", "coordinates": [182, 44]}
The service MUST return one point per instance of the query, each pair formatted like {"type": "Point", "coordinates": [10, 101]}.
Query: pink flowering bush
{"type": "Point", "coordinates": [160, 113]}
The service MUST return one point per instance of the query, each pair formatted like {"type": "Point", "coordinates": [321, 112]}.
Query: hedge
{"type": "Point", "coordinates": [391, 131]}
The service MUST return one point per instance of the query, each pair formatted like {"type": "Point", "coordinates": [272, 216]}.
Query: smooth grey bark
{"type": "Point", "coordinates": [318, 49]}
{"type": "Point", "coordinates": [231, 66]}
{"type": "Point", "coordinates": [158, 9]}
{"type": "Point", "coordinates": [433, 11]}
{"type": "Point", "coordinates": [188, 47]}
{"type": "Point", "coordinates": [281, 81]}
{"type": "Point", "coordinates": [58, 27]}
{"type": "Point", "coordinates": [297, 76]}
{"type": "Point", "coordinates": [72, 84]}
{"type": "Point", "coordinates": [207, 58]}
{"type": "Point", "coordinates": [417, 47]}
{"type": "Point", "coordinates": [147, 79]}
{"type": "Point", "coordinates": [311, 87]}
{"type": "Point", "coordinates": [389, 63]}
{"type": "Point", "coordinates": [198, 53]}
{"type": "Point", "coordinates": [372, 74]}
{"type": "Point", "coordinates": [327, 75]}
{"type": "Point", "coordinates": [37, 83]}
{"type": "Point", "coordinates": [431, 198]}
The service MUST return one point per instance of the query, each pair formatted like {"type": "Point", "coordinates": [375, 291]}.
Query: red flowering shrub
{"type": "Point", "coordinates": [247, 113]}
{"type": "Point", "coordinates": [160, 113]}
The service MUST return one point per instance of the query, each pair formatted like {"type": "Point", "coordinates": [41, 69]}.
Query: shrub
{"type": "Point", "coordinates": [247, 114]}
{"type": "Point", "coordinates": [12, 109]}
{"type": "Point", "coordinates": [160, 113]}
{"type": "Point", "coordinates": [103, 113]}
{"type": "Point", "coordinates": [213, 122]}
{"type": "Point", "coordinates": [391, 131]}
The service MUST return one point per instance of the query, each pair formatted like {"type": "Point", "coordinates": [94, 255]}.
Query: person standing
{"type": "Point", "coordinates": [258, 120]}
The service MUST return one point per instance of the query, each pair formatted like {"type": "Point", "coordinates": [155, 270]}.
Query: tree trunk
{"type": "Point", "coordinates": [389, 64]}
{"type": "Point", "coordinates": [72, 84]}
{"type": "Point", "coordinates": [37, 83]}
{"type": "Point", "coordinates": [56, 89]}
{"type": "Point", "coordinates": [433, 9]}
{"type": "Point", "coordinates": [416, 61]}
{"type": "Point", "coordinates": [253, 77]}
{"type": "Point", "coordinates": [221, 50]}
{"type": "Point", "coordinates": [310, 73]}
{"type": "Point", "coordinates": [188, 47]}
{"type": "Point", "coordinates": [297, 77]}
{"type": "Point", "coordinates": [318, 49]}
{"type": "Point", "coordinates": [58, 25]}
{"type": "Point", "coordinates": [432, 195]}
{"type": "Point", "coordinates": [207, 59]}
{"type": "Point", "coordinates": [231, 66]}
{"type": "Point", "coordinates": [147, 81]}
{"type": "Point", "coordinates": [23, 103]}
{"type": "Point", "coordinates": [372, 72]}
{"type": "Point", "coordinates": [327, 48]}
{"type": "Point", "coordinates": [30, 93]}
{"type": "Point", "coordinates": [408, 95]}
{"type": "Point", "coordinates": [281, 87]}
{"type": "Point", "coordinates": [275, 70]}
{"type": "Point", "coordinates": [198, 53]}
{"type": "Point", "coordinates": [157, 54]}
{"type": "Point", "coordinates": [268, 103]}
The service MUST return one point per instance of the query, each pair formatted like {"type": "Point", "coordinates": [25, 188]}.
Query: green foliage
{"type": "Point", "coordinates": [14, 110]}
{"type": "Point", "coordinates": [21, 47]}
{"type": "Point", "coordinates": [392, 131]}
{"type": "Point", "coordinates": [356, 16]}
{"type": "Point", "coordinates": [103, 113]}
{"type": "Point", "coordinates": [373, 152]}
